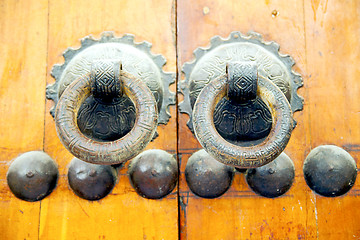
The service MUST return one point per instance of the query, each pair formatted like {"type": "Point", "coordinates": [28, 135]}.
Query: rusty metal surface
{"type": "Point", "coordinates": [153, 173]}
{"type": "Point", "coordinates": [210, 62]}
{"type": "Point", "coordinates": [32, 176]}
{"type": "Point", "coordinates": [273, 179]}
{"type": "Point", "coordinates": [330, 171]}
{"type": "Point", "coordinates": [207, 177]}
{"type": "Point", "coordinates": [113, 152]}
{"type": "Point", "coordinates": [239, 156]}
{"type": "Point", "coordinates": [91, 181]}
{"type": "Point", "coordinates": [136, 60]}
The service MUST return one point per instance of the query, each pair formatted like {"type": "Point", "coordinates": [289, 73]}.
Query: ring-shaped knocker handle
{"type": "Point", "coordinates": [112, 152]}
{"type": "Point", "coordinates": [231, 154]}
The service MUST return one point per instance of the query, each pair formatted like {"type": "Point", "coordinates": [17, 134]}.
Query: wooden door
{"type": "Point", "coordinates": [321, 35]}
{"type": "Point", "coordinates": [34, 35]}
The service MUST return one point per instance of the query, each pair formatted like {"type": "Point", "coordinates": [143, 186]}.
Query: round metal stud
{"type": "Point", "coordinates": [153, 173]}
{"type": "Point", "coordinates": [207, 177]}
{"type": "Point", "coordinates": [91, 181]}
{"type": "Point", "coordinates": [32, 176]}
{"type": "Point", "coordinates": [273, 179]}
{"type": "Point", "coordinates": [330, 171]}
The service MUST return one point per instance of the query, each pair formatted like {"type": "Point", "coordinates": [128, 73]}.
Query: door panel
{"type": "Point", "coordinates": [307, 30]}
{"type": "Point", "coordinates": [321, 36]}
{"type": "Point", "coordinates": [123, 214]}
{"type": "Point", "coordinates": [333, 88]}
{"type": "Point", "coordinates": [22, 104]}
{"type": "Point", "coordinates": [240, 213]}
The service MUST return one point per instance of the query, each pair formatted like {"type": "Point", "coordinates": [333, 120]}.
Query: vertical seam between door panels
{"type": "Point", "coordinates": [308, 120]}
{"type": "Point", "coordinates": [177, 116]}
{"type": "Point", "coordinates": [46, 74]}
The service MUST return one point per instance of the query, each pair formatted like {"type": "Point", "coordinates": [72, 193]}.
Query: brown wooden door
{"type": "Point", "coordinates": [34, 35]}
{"type": "Point", "coordinates": [321, 36]}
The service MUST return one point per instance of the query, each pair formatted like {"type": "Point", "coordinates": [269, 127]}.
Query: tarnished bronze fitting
{"type": "Point", "coordinates": [91, 181]}
{"type": "Point", "coordinates": [32, 176]}
{"type": "Point", "coordinates": [242, 117]}
{"type": "Point", "coordinates": [112, 152]}
{"type": "Point", "coordinates": [111, 110]}
{"type": "Point", "coordinates": [231, 154]}
{"type": "Point", "coordinates": [207, 177]}
{"type": "Point", "coordinates": [273, 179]}
{"type": "Point", "coordinates": [210, 63]}
{"type": "Point", "coordinates": [240, 126]}
{"type": "Point", "coordinates": [107, 114]}
{"type": "Point", "coordinates": [153, 173]}
{"type": "Point", "coordinates": [330, 171]}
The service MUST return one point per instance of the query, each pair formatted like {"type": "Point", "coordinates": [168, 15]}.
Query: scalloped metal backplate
{"type": "Point", "coordinates": [136, 59]}
{"type": "Point", "coordinates": [209, 63]}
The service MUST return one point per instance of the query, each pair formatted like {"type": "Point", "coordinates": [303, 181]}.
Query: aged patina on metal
{"type": "Point", "coordinates": [153, 173]}
{"type": "Point", "coordinates": [32, 176]}
{"type": "Point", "coordinates": [110, 152]}
{"type": "Point", "coordinates": [107, 114]}
{"type": "Point", "coordinates": [136, 59]}
{"type": "Point", "coordinates": [330, 171]}
{"type": "Point", "coordinates": [273, 179]}
{"type": "Point", "coordinates": [111, 117]}
{"type": "Point", "coordinates": [235, 155]}
{"type": "Point", "coordinates": [243, 121]}
{"type": "Point", "coordinates": [207, 177]}
{"type": "Point", "coordinates": [91, 181]}
{"type": "Point", "coordinates": [242, 117]}
{"type": "Point", "coordinates": [210, 63]}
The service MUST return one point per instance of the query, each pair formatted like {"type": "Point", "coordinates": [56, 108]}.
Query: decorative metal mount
{"type": "Point", "coordinates": [210, 62]}
{"type": "Point", "coordinates": [106, 74]}
{"type": "Point", "coordinates": [243, 77]}
{"type": "Point", "coordinates": [136, 60]}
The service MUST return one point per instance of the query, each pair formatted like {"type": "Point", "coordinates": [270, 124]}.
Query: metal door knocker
{"type": "Point", "coordinates": [109, 96]}
{"type": "Point", "coordinates": [104, 80]}
{"type": "Point", "coordinates": [240, 94]}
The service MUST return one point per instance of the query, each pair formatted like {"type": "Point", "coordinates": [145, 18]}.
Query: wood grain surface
{"type": "Point", "coordinates": [330, 115]}
{"type": "Point", "coordinates": [34, 35]}
{"type": "Point", "coordinates": [123, 214]}
{"type": "Point", "coordinates": [321, 35]}
{"type": "Point", "coordinates": [22, 104]}
{"type": "Point", "coordinates": [333, 57]}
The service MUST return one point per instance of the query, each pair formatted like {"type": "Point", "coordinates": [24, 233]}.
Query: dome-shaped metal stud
{"type": "Point", "coordinates": [207, 177]}
{"type": "Point", "coordinates": [273, 179]}
{"type": "Point", "coordinates": [91, 181]}
{"type": "Point", "coordinates": [153, 173]}
{"type": "Point", "coordinates": [32, 176]}
{"type": "Point", "coordinates": [330, 171]}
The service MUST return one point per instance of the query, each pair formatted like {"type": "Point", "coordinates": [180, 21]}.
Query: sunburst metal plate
{"type": "Point", "coordinates": [210, 63]}
{"type": "Point", "coordinates": [135, 58]}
